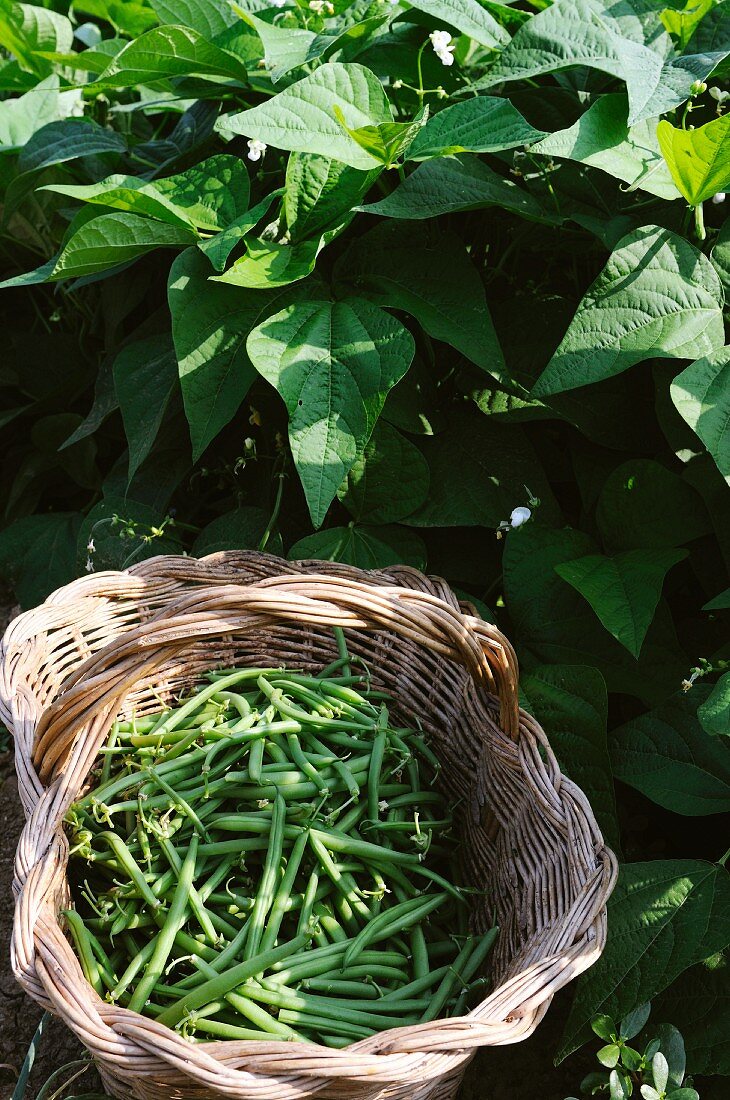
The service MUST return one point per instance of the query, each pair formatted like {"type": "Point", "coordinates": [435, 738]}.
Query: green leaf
{"type": "Point", "coordinates": [241, 529]}
{"type": "Point", "coordinates": [38, 554]}
{"type": "Point", "coordinates": [672, 1046]}
{"type": "Point", "coordinates": [68, 139]}
{"type": "Point", "coordinates": [682, 24]}
{"type": "Point", "coordinates": [320, 193]}
{"type": "Point", "coordinates": [485, 124]}
{"type": "Point", "coordinates": [21, 117]}
{"type": "Point", "coordinates": [302, 117]}
{"type": "Point", "coordinates": [720, 602]}
{"type": "Point", "coordinates": [208, 17]}
{"type": "Point", "coordinates": [663, 916]}
{"type": "Point", "coordinates": [26, 31]}
{"type": "Point", "coordinates": [126, 16]}
{"type": "Point", "coordinates": [386, 141]}
{"type": "Point", "coordinates": [699, 1002]}
{"type": "Point", "coordinates": [624, 590]}
{"type": "Point", "coordinates": [699, 159]}
{"type": "Point", "coordinates": [639, 504]}
{"type": "Point", "coordinates": [364, 547]}
{"type": "Point", "coordinates": [168, 51]}
{"type": "Point", "coordinates": [467, 16]}
{"type": "Point", "coordinates": [713, 33]}
{"type": "Point", "coordinates": [388, 481]}
{"type": "Point", "coordinates": [609, 1056]}
{"type": "Point", "coordinates": [701, 395]}
{"type": "Point", "coordinates": [657, 296]}
{"type": "Point", "coordinates": [633, 1022]}
{"type": "Point", "coordinates": [333, 364]}
{"type": "Point", "coordinates": [445, 185]}
{"type": "Point", "coordinates": [604, 1027]}
{"type": "Point", "coordinates": [210, 323]}
{"type": "Point", "coordinates": [571, 704]}
{"type": "Point", "coordinates": [479, 469]}
{"type": "Point", "coordinates": [208, 196]}
{"type": "Point", "coordinates": [603, 139]}
{"type": "Point", "coordinates": [285, 48]}
{"type": "Point", "coordinates": [113, 239]}
{"type": "Point", "coordinates": [714, 714]}
{"type": "Point", "coordinates": [720, 255]}
{"type": "Point", "coordinates": [667, 755]}
{"type": "Point", "coordinates": [430, 275]}
{"type": "Point", "coordinates": [268, 264]}
{"type": "Point", "coordinates": [219, 247]}
{"type": "Point", "coordinates": [578, 32]}
{"type": "Point", "coordinates": [145, 378]}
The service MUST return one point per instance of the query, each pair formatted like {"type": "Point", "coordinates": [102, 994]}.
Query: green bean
{"type": "Point", "coordinates": [232, 978]}
{"type": "Point", "coordinates": [166, 937]}
{"type": "Point", "coordinates": [106, 766]}
{"type": "Point", "coordinates": [179, 801]}
{"type": "Point", "coordinates": [419, 952]}
{"type": "Point", "coordinates": [450, 980]}
{"type": "Point", "coordinates": [267, 885]}
{"type": "Point", "coordinates": [282, 896]}
{"type": "Point", "coordinates": [128, 862]}
{"type": "Point", "coordinates": [396, 917]}
{"type": "Point", "coordinates": [255, 760]}
{"type": "Point", "coordinates": [376, 763]}
{"type": "Point", "coordinates": [137, 960]}
{"type": "Point", "coordinates": [319, 1023]}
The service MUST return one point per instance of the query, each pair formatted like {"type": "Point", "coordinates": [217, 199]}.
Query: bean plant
{"type": "Point", "coordinates": [434, 282]}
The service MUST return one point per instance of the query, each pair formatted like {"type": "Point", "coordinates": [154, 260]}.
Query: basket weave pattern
{"type": "Point", "coordinates": [114, 643]}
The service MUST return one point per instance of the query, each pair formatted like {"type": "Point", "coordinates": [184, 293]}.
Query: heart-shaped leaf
{"type": "Point", "coordinates": [333, 364]}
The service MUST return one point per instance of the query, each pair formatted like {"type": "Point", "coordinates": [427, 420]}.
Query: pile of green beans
{"type": "Point", "coordinates": [270, 859]}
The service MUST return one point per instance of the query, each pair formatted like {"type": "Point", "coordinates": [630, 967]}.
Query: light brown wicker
{"type": "Point", "coordinates": [112, 642]}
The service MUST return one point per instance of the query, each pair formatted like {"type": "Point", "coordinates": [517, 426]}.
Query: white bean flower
{"type": "Point", "coordinates": [256, 149]}
{"type": "Point", "coordinates": [718, 198]}
{"type": "Point", "coordinates": [278, 3]}
{"type": "Point", "coordinates": [443, 46]}
{"type": "Point", "coordinates": [519, 516]}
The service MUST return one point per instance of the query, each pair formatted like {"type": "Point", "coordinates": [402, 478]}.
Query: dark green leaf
{"type": "Point", "coordinates": [388, 481]}
{"type": "Point", "coordinates": [699, 1003]}
{"type": "Point", "coordinates": [668, 756]}
{"type": "Point", "coordinates": [623, 590]}
{"type": "Point", "coordinates": [66, 140]}
{"type": "Point", "coordinates": [145, 378]}
{"type": "Point", "coordinates": [431, 276]}
{"type": "Point", "coordinates": [639, 505]}
{"type": "Point", "coordinates": [320, 193]}
{"type": "Point", "coordinates": [570, 703]}
{"type": "Point", "coordinates": [714, 714]}
{"type": "Point", "coordinates": [364, 547]}
{"type": "Point", "coordinates": [603, 139]}
{"type": "Point", "coordinates": [241, 529]}
{"type": "Point", "coordinates": [209, 196]}
{"type": "Point", "coordinates": [207, 17]}
{"type": "Point", "coordinates": [663, 917]}
{"type": "Point", "coordinates": [479, 469]}
{"type": "Point", "coordinates": [210, 324]}
{"type": "Point", "coordinates": [333, 364]}
{"type": "Point", "coordinates": [38, 554]}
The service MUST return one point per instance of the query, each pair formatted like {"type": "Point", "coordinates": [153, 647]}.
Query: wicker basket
{"type": "Point", "coordinates": [111, 642]}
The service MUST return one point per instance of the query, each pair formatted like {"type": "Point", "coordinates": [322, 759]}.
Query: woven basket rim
{"type": "Point", "coordinates": [316, 593]}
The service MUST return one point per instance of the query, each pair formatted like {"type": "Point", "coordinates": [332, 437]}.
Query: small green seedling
{"type": "Point", "coordinates": [656, 1072]}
